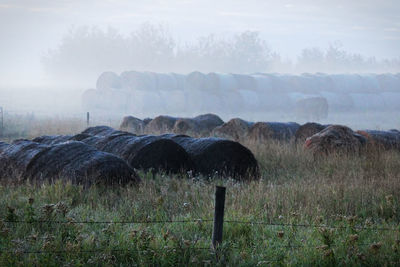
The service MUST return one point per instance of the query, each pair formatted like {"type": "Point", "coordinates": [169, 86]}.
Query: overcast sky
{"type": "Point", "coordinates": [28, 28]}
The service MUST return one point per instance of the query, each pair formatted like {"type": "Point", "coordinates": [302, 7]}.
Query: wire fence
{"type": "Point", "coordinates": [213, 248]}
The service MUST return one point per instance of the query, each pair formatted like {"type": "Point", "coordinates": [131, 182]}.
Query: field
{"type": "Point", "coordinates": [336, 210]}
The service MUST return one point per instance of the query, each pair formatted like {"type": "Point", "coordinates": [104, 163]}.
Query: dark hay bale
{"type": "Point", "coordinates": [385, 140]}
{"type": "Point", "coordinates": [132, 124]}
{"type": "Point", "coordinates": [308, 129]}
{"type": "Point", "coordinates": [313, 108]}
{"type": "Point", "coordinates": [261, 132]}
{"type": "Point", "coordinates": [80, 164]}
{"type": "Point", "coordinates": [100, 130]}
{"type": "Point", "coordinates": [160, 125]}
{"type": "Point", "coordinates": [201, 125]}
{"type": "Point", "coordinates": [207, 122]}
{"type": "Point", "coordinates": [17, 156]}
{"type": "Point", "coordinates": [221, 157]}
{"type": "Point", "coordinates": [3, 146]}
{"type": "Point", "coordinates": [146, 152]}
{"type": "Point", "coordinates": [71, 161]}
{"type": "Point", "coordinates": [335, 138]}
{"type": "Point", "coordinates": [51, 139]}
{"type": "Point", "coordinates": [236, 129]}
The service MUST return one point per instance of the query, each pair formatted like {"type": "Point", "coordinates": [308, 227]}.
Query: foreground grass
{"type": "Point", "coordinates": [347, 200]}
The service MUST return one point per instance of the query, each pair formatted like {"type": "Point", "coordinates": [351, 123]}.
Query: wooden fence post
{"type": "Point", "coordinates": [87, 118]}
{"type": "Point", "coordinates": [218, 215]}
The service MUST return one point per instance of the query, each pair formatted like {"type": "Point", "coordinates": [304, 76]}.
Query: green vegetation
{"type": "Point", "coordinates": [337, 195]}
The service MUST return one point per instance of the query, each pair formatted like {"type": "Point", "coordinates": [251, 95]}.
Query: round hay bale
{"type": "Point", "coordinates": [138, 81]}
{"type": "Point", "coordinates": [261, 132]}
{"type": "Point", "coordinates": [313, 108]}
{"type": "Point", "coordinates": [132, 124]}
{"type": "Point", "coordinates": [3, 146]}
{"type": "Point", "coordinates": [147, 152]}
{"type": "Point", "coordinates": [220, 157]}
{"type": "Point", "coordinates": [186, 126]}
{"type": "Point", "coordinates": [108, 80]}
{"type": "Point", "coordinates": [51, 139]}
{"type": "Point", "coordinates": [160, 125]}
{"type": "Point", "coordinates": [235, 129]}
{"type": "Point", "coordinates": [81, 164]}
{"type": "Point", "coordinates": [208, 122]}
{"type": "Point", "coordinates": [385, 140]}
{"type": "Point", "coordinates": [335, 138]}
{"type": "Point", "coordinates": [308, 129]}
{"type": "Point", "coordinates": [146, 121]}
{"type": "Point", "coordinates": [17, 156]}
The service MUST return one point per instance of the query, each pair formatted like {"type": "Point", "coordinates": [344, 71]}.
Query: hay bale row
{"type": "Point", "coordinates": [306, 130]}
{"type": "Point", "coordinates": [385, 140]}
{"type": "Point", "coordinates": [201, 125]}
{"type": "Point", "coordinates": [235, 129]}
{"type": "Point", "coordinates": [73, 161]}
{"type": "Point", "coordinates": [261, 132]}
{"type": "Point", "coordinates": [335, 138]}
{"type": "Point", "coordinates": [220, 157]}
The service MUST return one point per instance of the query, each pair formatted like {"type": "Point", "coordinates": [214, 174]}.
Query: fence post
{"type": "Point", "coordinates": [218, 215]}
{"type": "Point", "coordinates": [87, 118]}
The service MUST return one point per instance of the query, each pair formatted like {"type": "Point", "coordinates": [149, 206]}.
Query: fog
{"type": "Point", "coordinates": [51, 51]}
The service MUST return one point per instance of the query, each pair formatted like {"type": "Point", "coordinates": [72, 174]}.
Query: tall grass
{"type": "Point", "coordinates": [346, 192]}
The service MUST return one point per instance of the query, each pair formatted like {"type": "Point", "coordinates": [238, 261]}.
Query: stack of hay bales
{"type": "Point", "coordinates": [261, 132]}
{"type": "Point", "coordinates": [72, 161]}
{"type": "Point", "coordinates": [335, 138]}
{"type": "Point", "coordinates": [219, 157]}
{"type": "Point", "coordinates": [385, 140]}
{"type": "Point", "coordinates": [235, 129]}
{"type": "Point", "coordinates": [306, 130]}
{"type": "Point", "coordinates": [160, 125]}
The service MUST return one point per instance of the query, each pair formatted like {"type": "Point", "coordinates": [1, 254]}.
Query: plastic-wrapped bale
{"type": "Point", "coordinates": [308, 129]}
{"type": "Point", "coordinates": [335, 138]}
{"type": "Point", "coordinates": [201, 125]}
{"type": "Point", "coordinates": [108, 80]}
{"type": "Point", "coordinates": [382, 139]}
{"type": "Point", "coordinates": [146, 152]}
{"type": "Point", "coordinates": [132, 124]}
{"type": "Point", "coordinates": [51, 139]}
{"type": "Point", "coordinates": [261, 132]}
{"type": "Point", "coordinates": [221, 157]}
{"type": "Point", "coordinates": [312, 108]}
{"type": "Point", "coordinates": [160, 125]}
{"type": "Point", "coordinates": [235, 129]}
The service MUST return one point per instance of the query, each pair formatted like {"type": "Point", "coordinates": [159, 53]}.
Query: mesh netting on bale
{"type": "Point", "coordinates": [201, 125]}
{"type": "Point", "coordinates": [261, 132]}
{"type": "Point", "coordinates": [72, 161]}
{"type": "Point", "coordinates": [308, 129]}
{"type": "Point", "coordinates": [221, 157]}
{"type": "Point", "coordinates": [235, 129]}
{"type": "Point", "coordinates": [51, 139]}
{"type": "Point", "coordinates": [382, 139]}
{"type": "Point", "coordinates": [100, 130]}
{"type": "Point", "coordinates": [160, 125]}
{"type": "Point", "coordinates": [335, 138]}
{"type": "Point", "coordinates": [146, 152]}
{"type": "Point", "coordinates": [132, 124]}
{"type": "Point", "coordinates": [3, 146]}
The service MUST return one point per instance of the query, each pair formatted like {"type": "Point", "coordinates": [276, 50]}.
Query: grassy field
{"type": "Point", "coordinates": [337, 210]}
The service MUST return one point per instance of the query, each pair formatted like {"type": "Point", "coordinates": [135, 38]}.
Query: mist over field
{"type": "Point", "coordinates": [52, 51]}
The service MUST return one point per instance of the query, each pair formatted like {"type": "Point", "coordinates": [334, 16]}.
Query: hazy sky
{"type": "Point", "coordinates": [28, 28]}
